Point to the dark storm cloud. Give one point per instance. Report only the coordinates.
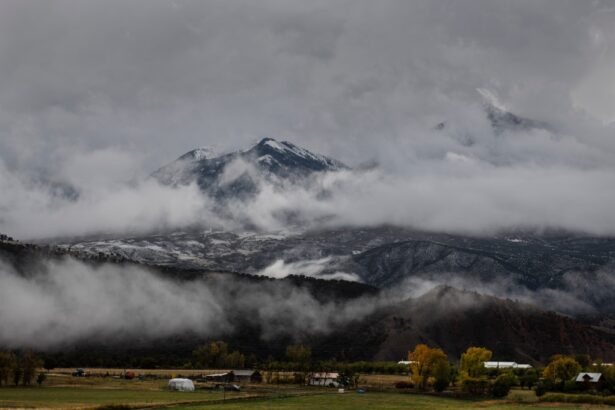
(99, 94)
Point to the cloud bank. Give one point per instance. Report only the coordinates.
(70, 301)
(458, 193)
(311, 268)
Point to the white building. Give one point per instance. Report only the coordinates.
(406, 362)
(506, 365)
(324, 379)
(181, 384)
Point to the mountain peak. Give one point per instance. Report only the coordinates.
(199, 154)
(285, 155)
(273, 161)
(503, 120)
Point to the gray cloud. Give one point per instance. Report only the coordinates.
(71, 301)
(314, 268)
(159, 77)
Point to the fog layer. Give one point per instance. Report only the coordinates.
(71, 301)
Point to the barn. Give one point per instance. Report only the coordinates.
(238, 376)
(247, 376)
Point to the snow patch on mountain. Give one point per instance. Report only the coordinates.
(491, 99)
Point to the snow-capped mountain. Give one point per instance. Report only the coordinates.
(237, 173)
(285, 158)
(502, 119)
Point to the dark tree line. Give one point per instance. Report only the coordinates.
(6, 238)
(18, 368)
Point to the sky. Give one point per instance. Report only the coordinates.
(98, 94)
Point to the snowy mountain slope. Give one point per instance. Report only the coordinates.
(382, 257)
(502, 119)
(238, 174)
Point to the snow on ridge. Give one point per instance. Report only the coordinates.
(202, 153)
(288, 147)
(268, 159)
(491, 99)
(275, 145)
(304, 153)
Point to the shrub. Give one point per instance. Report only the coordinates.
(501, 386)
(577, 398)
(441, 384)
(404, 385)
(474, 386)
(299, 378)
(543, 387)
(570, 386)
(528, 378)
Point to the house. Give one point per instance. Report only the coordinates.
(506, 365)
(247, 376)
(324, 379)
(238, 376)
(590, 380)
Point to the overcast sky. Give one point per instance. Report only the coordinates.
(158, 78)
(92, 91)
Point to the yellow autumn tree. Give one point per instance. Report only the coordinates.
(561, 369)
(429, 363)
(472, 363)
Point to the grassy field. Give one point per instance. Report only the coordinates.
(66, 392)
(77, 398)
(380, 401)
(63, 391)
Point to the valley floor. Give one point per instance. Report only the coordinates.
(380, 401)
(61, 391)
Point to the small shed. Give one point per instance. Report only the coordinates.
(178, 384)
(247, 376)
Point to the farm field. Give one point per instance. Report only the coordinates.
(62, 391)
(380, 401)
(92, 398)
